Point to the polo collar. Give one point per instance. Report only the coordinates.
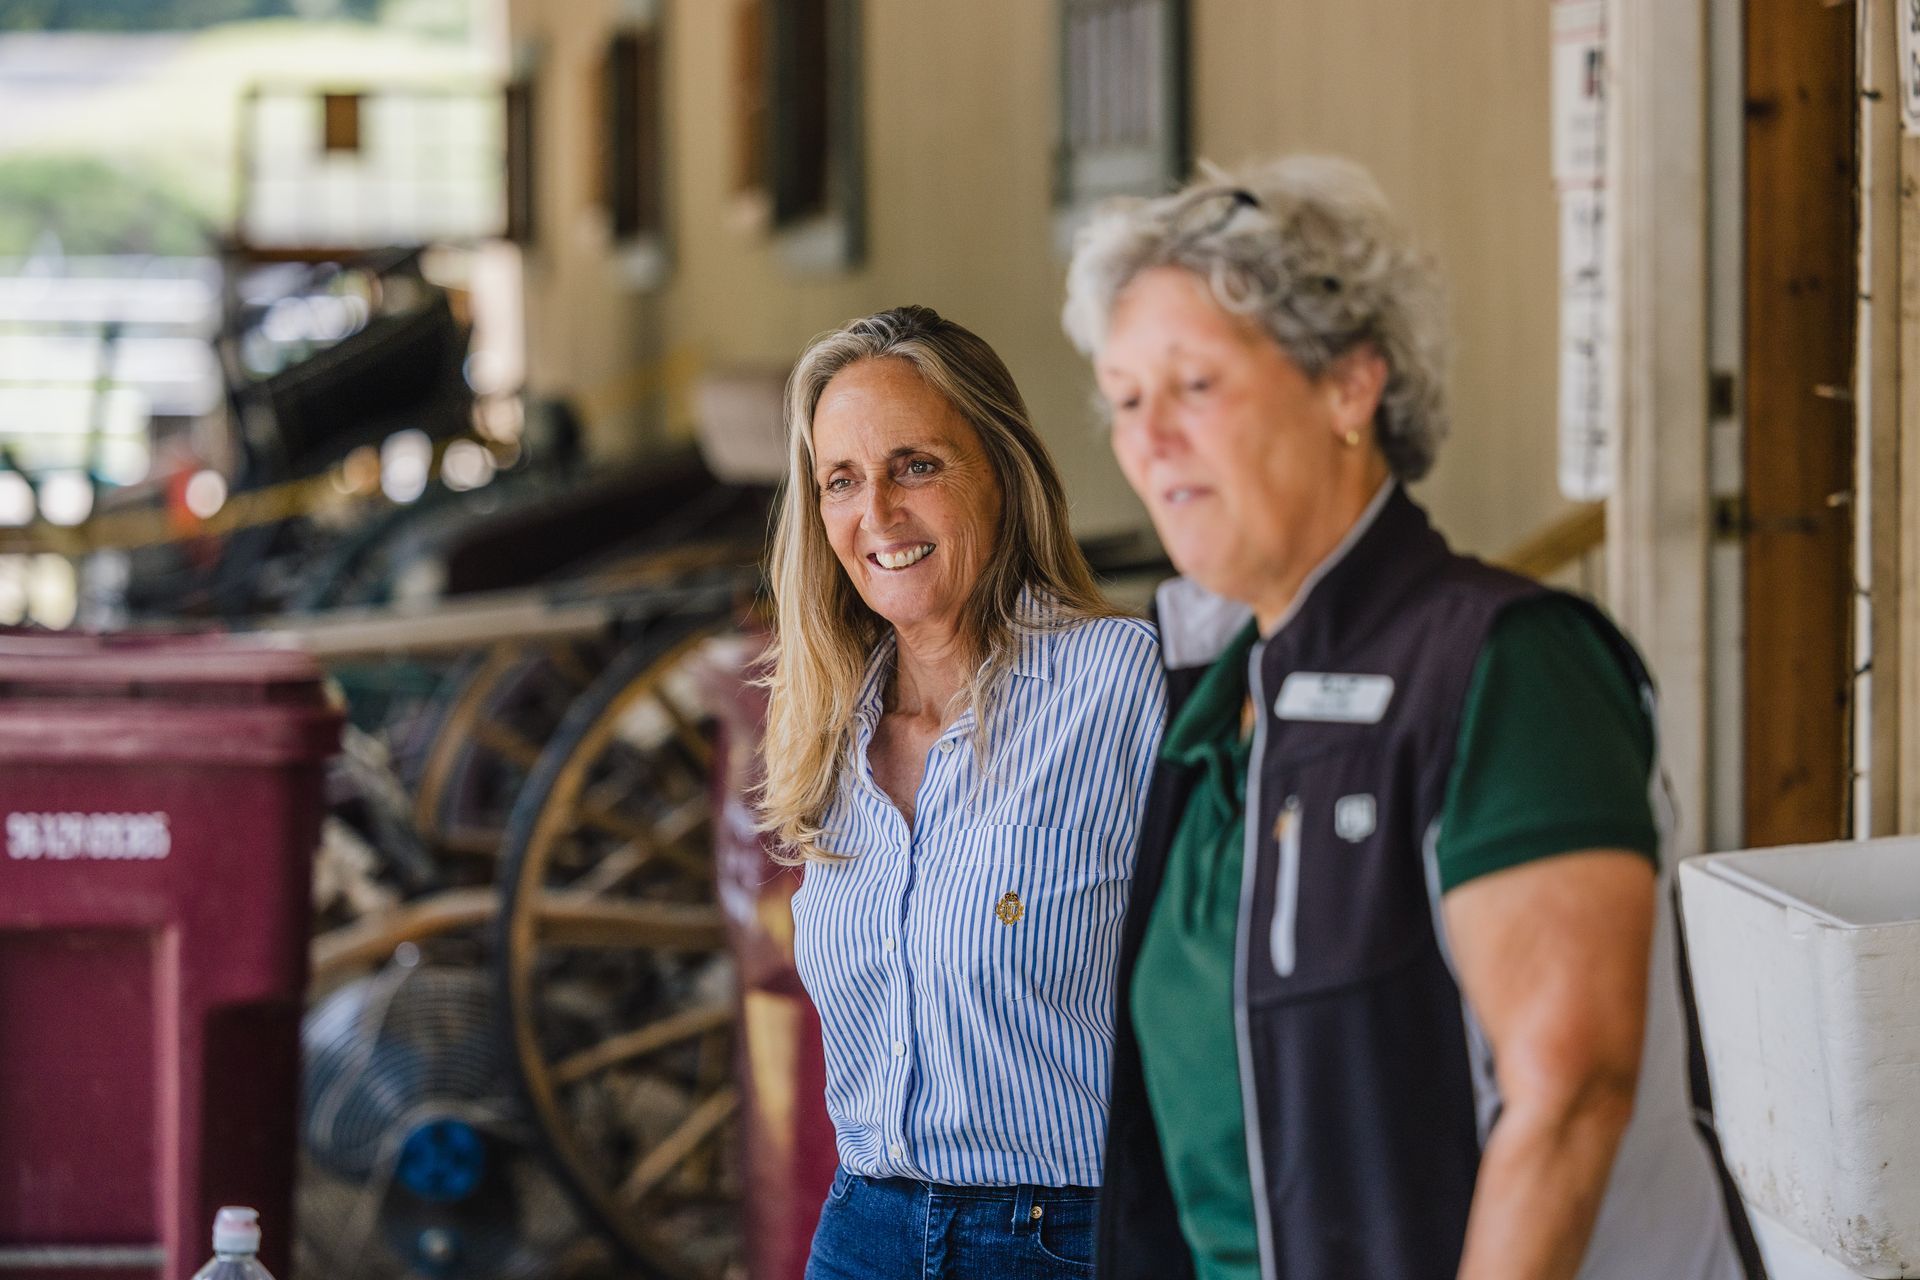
(1335, 557)
(1211, 713)
(1196, 625)
(1359, 587)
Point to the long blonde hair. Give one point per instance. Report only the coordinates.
(825, 635)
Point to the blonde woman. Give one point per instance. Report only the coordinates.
(959, 739)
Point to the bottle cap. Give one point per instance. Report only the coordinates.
(236, 1230)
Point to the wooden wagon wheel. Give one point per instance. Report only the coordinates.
(496, 716)
(607, 910)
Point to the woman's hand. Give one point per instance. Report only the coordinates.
(1552, 956)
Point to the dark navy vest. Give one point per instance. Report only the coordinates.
(1365, 1106)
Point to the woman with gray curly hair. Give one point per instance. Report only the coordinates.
(1399, 889)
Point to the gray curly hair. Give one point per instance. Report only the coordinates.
(1307, 247)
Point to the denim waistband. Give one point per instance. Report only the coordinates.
(1023, 1192)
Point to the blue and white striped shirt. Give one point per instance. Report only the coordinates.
(963, 969)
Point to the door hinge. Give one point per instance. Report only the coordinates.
(1730, 521)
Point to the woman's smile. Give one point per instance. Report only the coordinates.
(900, 559)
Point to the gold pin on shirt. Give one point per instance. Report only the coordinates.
(1009, 910)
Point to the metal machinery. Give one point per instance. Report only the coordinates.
(520, 1052)
(518, 952)
(520, 1058)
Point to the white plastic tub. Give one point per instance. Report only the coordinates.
(1806, 964)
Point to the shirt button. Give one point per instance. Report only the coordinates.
(895, 1151)
(887, 943)
(946, 744)
(899, 1049)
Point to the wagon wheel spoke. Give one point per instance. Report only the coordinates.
(340, 952)
(666, 842)
(468, 703)
(659, 840)
(567, 660)
(685, 730)
(638, 773)
(679, 1146)
(473, 842)
(504, 708)
(571, 920)
(504, 740)
(641, 1041)
(612, 791)
(716, 1064)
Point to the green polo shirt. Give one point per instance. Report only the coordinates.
(1523, 788)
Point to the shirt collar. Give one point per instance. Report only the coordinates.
(1033, 628)
(1033, 637)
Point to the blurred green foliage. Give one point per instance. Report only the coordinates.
(168, 15)
(94, 206)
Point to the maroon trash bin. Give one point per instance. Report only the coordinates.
(160, 799)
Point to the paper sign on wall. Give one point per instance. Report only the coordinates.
(1587, 366)
(1587, 426)
(1579, 98)
(1910, 65)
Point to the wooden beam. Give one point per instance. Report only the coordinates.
(1659, 519)
(1903, 663)
(1800, 299)
(443, 626)
(1878, 694)
(1559, 543)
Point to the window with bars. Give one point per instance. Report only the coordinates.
(520, 160)
(633, 188)
(803, 142)
(798, 140)
(1123, 108)
(750, 97)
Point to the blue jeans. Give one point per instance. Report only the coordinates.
(902, 1229)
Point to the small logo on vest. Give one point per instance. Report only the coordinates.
(1353, 818)
(1009, 910)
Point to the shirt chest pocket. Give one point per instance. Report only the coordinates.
(1026, 913)
(1340, 897)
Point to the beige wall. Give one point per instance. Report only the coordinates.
(1447, 103)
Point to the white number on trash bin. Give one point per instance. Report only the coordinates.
(93, 837)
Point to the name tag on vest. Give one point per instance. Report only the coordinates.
(1340, 699)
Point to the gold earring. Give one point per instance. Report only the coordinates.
(1353, 437)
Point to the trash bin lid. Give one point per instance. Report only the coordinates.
(161, 695)
(146, 664)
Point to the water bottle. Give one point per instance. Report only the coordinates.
(236, 1244)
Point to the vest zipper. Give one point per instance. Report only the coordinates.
(1281, 939)
(1242, 1027)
